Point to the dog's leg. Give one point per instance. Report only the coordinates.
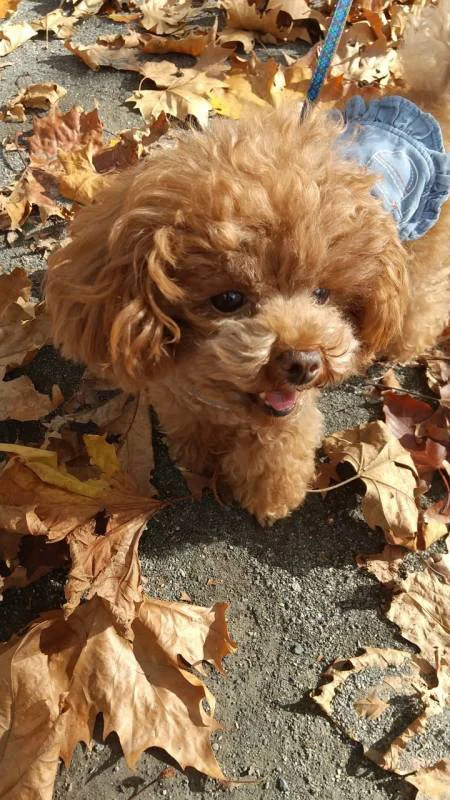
(269, 469)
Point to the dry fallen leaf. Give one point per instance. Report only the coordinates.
(193, 43)
(79, 180)
(396, 678)
(421, 609)
(99, 55)
(388, 473)
(24, 327)
(384, 565)
(56, 22)
(136, 448)
(13, 35)
(58, 131)
(405, 416)
(69, 671)
(21, 401)
(183, 98)
(371, 706)
(440, 563)
(279, 21)
(162, 16)
(7, 8)
(44, 497)
(38, 95)
(432, 781)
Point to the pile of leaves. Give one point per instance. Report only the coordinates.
(66, 158)
(82, 498)
(82, 502)
(367, 695)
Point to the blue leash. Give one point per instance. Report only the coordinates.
(327, 52)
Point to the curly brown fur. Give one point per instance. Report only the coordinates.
(262, 207)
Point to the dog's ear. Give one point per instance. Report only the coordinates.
(383, 304)
(111, 289)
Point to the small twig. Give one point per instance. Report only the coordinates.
(379, 386)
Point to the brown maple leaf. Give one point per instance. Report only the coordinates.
(58, 131)
(70, 670)
(24, 326)
(388, 473)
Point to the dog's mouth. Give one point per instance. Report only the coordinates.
(276, 403)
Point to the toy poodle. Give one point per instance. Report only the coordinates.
(234, 274)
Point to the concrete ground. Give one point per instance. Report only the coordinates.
(297, 599)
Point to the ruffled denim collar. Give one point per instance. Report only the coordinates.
(403, 145)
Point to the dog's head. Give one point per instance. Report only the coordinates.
(249, 260)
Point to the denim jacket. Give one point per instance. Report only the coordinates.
(393, 138)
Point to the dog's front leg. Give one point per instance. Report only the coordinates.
(270, 469)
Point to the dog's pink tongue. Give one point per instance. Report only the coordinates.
(280, 401)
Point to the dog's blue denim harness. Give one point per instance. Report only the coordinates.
(393, 138)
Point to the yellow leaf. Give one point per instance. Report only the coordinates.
(44, 464)
(102, 454)
(8, 7)
(13, 35)
(79, 180)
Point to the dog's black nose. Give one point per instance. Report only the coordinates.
(300, 367)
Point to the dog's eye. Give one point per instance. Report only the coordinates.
(321, 295)
(228, 301)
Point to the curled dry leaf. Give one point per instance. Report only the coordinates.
(193, 43)
(38, 95)
(27, 193)
(276, 23)
(99, 55)
(143, 693)
(7, 8)
(388, 473)
(421, 609)
(13, 35)
(162, 16)
(396, 678)
(21, 401)
(24, 327)
(56, 22)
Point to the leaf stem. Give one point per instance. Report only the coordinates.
(336, 485)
